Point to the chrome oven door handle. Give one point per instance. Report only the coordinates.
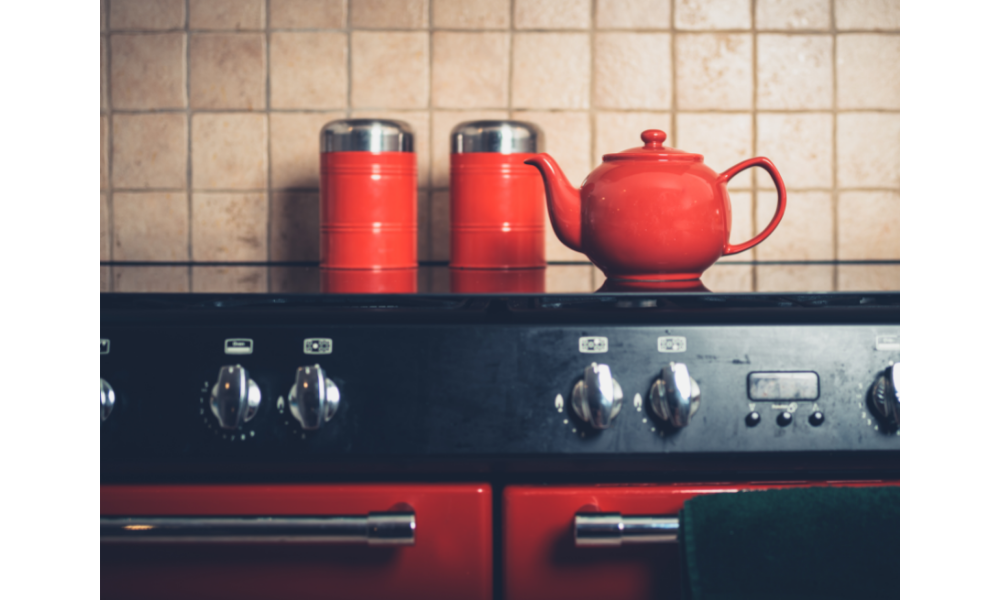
(612, 529)
(374, 529)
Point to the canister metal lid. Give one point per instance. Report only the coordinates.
(505, 137)
(366, 135)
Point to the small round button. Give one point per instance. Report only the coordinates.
(816, 419)
(752, 419)
(785, 419)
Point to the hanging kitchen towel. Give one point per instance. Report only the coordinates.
(802, 543)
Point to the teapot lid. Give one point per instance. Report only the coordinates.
(654, 150)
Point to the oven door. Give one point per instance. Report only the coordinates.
(296, 541)
(543, 541)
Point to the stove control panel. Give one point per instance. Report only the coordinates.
(344, 396)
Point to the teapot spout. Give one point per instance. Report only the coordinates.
(562, 198)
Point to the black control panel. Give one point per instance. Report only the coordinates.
(222, 388)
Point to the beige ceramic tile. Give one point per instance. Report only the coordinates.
(294, 280)
(805, 231)
(435, 280)
(618, 131)
(868, 278)
(295, 148)
(723, 139)
(104, 17)
(472, 14)
(151, 279)
(471, 70)
(308, 14)
(800, 146)
(104, 73)
(728, 278)
(390, 69)
(599, 278)
(868, 70)
(567, 139)
(151, 226)
(556, 251)
(569, 279)
(868, 150)
(702, 15)
(632, 70)
(742, 208)
(551, 70)
(229, 279)
(228, 227)
(551, 14)
(227, 71)
(794, 71)
(714, 71)
(389, 14)
(147, 71)
(868, 226)
(793, 14)
(795, 278)
(145, 14)
(239, 15)
(106, 279)
(633, 14)
(105, 229)
(443, 123)
(294, 226)
(149, 151)
(880, 15)
(105, 139)
(229, 151)
(308, 69)
(440, 242)
(420, 123)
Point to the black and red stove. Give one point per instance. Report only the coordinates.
(468, 446)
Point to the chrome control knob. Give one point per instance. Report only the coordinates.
(107, 400)
(598, 397)
(885, 397)
(675, 395)
(313, 399)
(235, 397)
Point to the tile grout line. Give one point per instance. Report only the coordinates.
(835, 193)
(190, 141)
(269, 226)
(753, 137)
(592, 110)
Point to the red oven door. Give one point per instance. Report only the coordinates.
(540, 559)
(451, 556)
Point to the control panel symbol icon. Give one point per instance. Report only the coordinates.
(317, 346)
(239, 346)
(593, 345)
(105, 346)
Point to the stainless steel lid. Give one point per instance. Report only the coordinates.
(366, 135)
(505, 137)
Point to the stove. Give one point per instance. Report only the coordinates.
(468, 446)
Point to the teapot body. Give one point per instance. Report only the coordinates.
(654, 220)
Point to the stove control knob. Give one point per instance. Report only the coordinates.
(107, 400)
(675, 395)
(597, 398)
(884, 398)
(313, 399)
(235, 397)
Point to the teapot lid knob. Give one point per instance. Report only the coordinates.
(654, 139)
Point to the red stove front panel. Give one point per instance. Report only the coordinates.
(540, 559)
(451, 556)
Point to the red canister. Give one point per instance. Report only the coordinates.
(368, 196)
(497, 202)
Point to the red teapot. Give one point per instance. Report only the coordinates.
(652, 213)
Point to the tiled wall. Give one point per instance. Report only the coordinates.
(210, 112)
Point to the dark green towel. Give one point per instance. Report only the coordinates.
(795, 543)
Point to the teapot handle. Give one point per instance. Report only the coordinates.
(768, 166)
